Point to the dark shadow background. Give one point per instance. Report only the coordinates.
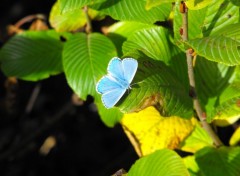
(84, 145)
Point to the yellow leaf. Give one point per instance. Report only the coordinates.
(235, 139)
(72, 20)
(198, 4)
(69, 21)
(224, 120)
(148, 131)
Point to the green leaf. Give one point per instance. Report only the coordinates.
(110, 117)
(211, 79)
(133, 11)
(119, 32)
(85, 59)
(219, 14)
(217, 162)
(229, 103)
(235, 2)
(192, 166)
(206, 21)
(160, 163)
(126, 28)
(195, 23)
(220, 48)
(198, 4)
(153, 3)
(218, 90)
(198, 139)
(71, 20)
(156, 84)
(70, 5)
(230, 31)
(32, 55)
(156, 42)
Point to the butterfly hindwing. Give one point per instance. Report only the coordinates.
(129, 68)
(106, 84)
(110, 98)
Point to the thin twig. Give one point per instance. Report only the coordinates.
(33, 98)
(89, 23)
(200, 113)
(28, 19)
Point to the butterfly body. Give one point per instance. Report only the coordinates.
(113, 85)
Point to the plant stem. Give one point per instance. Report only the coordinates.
(200, 113)
(89, 24)
(28, 19)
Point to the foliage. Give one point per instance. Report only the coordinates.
(157, 111)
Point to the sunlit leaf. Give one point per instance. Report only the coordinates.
(32, 55)
(153, 3)
(218, 48)
(220, 14)
(217, 87)
(221, 161)
(160, 163)
(228, 106)
(205, 21)
(118, 32)
(192, 166)
(198, 4)
(151, 131)
(70, 5)
(235, 139)
(156, 42)
(226, 121)
(198, 139)
(71, 20)
(212, 78)
(85, 59)
(133, 11)
(155, 84)
(195, 23)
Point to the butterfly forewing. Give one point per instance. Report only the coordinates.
(129, 68)
(115, 68)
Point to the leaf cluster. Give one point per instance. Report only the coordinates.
(161, 79)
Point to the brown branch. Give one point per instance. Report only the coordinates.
(200, 113)
(29, 18)
(89, 24)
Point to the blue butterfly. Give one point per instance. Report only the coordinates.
(113, 85)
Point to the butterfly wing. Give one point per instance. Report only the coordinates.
(130, 66)
(115, 68)
(106, 84)
(111, 91)
(114, 85)
(110, 98)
